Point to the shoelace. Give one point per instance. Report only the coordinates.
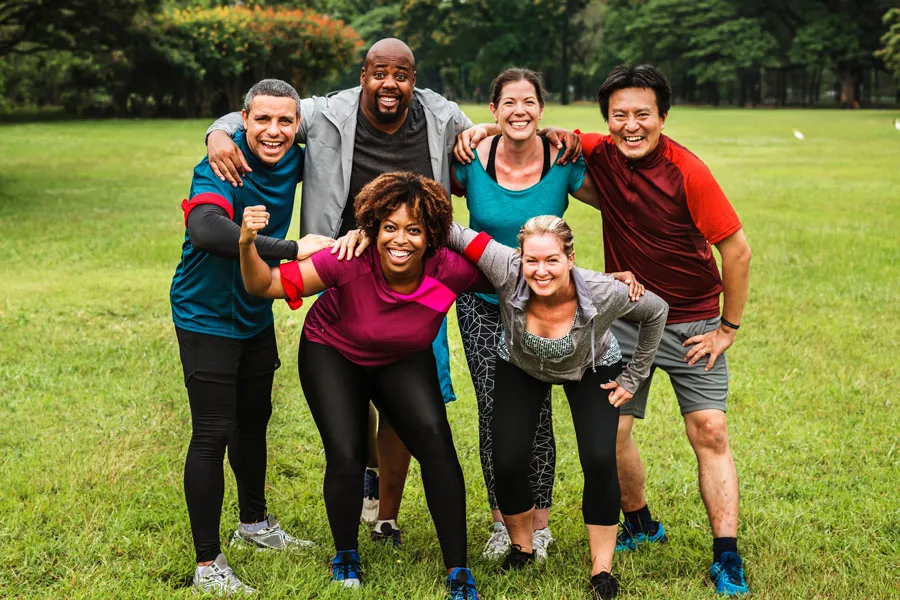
(732, 572)
(346, 566)
(462, 590)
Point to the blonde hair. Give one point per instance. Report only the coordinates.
(552, 225)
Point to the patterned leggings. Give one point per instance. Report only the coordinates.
(479, 326)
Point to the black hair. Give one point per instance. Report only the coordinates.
(636, 76)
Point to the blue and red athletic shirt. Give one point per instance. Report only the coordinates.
(660, 215)
(207, 292)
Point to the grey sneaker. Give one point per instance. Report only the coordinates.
(498, 544)
(540, 541)
(270, 537)
(219, 579)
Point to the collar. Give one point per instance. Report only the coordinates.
(653, 158)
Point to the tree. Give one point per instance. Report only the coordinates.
(890, 53)
(31, 26)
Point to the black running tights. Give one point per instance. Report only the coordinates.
(409, 395)
(223, 415)
(518, 398)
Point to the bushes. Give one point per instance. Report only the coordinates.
(196, 61)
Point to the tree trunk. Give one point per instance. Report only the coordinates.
(564, 62)
(848, 90)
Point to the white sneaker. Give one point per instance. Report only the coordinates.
(270, 537)
(540, 541)
(219, 579)
(498, 544)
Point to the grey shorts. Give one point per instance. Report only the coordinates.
(695, 388)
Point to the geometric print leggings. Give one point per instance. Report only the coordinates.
(480, 327)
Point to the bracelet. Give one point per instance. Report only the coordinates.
(729, 324)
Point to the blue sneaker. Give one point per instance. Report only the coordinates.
(727, 574)
(462, 584)
(629, 539)
(345, 568)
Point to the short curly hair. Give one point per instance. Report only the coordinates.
(426, 200)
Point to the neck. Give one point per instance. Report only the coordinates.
(388, 128)
(406, 282)
(565, 294)
(519, 152)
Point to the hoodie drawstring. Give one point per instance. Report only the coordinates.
(593, 348)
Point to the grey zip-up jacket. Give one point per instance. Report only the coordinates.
(601, 300)
(328, 128)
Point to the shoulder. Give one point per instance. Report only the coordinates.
(204, 181)
(686, 161)
(340, 103)
(592, 141)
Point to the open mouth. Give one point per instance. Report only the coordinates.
(519, 124)
(388, 102)
(399, 256)
(633, 139)
(270, 145)
(542, 283)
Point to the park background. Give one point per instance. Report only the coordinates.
(94, 421)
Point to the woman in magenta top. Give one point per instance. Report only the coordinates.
(373, 326)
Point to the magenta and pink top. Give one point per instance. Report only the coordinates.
(370, 324)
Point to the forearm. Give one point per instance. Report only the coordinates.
(735, 288)
(257, 275)
(230, 124)
(212, 231)
(735, 253)
(650, 311)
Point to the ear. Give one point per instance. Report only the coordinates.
(245, 117)
(662, 121)
(362, 75)
(493, 111)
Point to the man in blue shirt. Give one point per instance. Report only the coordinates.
(227, 338)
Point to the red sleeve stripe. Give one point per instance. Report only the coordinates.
(476, 247)
(206, 198)
(292, 282)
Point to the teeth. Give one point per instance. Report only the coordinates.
(400, 253)
(633, 139)
(271, 144)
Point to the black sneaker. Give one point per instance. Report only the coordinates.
(388, 534)
(516, 559)
(604, 586)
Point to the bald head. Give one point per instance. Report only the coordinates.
(390, 48)
(388, 79)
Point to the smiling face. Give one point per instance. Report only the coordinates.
(401, 244)
(518, 111)
(545, 266)
(271, 125)
(388, 79)
(634, 121)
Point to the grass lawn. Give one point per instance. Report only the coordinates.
(94, 419)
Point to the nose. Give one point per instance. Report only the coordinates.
(272, 128)
(389, 81)
(631, 123)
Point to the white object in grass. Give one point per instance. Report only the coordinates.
(799, 135)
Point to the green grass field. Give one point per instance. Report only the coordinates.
(94, 420)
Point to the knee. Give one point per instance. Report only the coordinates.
(599, 463)
(433, 442)
(623, 432)
(210, 441)
(709, 433)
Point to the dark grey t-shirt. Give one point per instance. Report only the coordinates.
(376, 152)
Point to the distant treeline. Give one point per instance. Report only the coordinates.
(196, 57)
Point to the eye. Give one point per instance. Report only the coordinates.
(387, 227)
(400, 77)
(415, 230)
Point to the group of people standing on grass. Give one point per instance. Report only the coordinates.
(380, 249)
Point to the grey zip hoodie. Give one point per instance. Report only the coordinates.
(601, 300)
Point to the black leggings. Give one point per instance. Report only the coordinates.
(409, 395)
(518, 398)
(229, 385)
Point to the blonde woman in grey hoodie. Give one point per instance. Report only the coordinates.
(556, 319)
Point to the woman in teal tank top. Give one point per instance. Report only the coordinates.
(512, 179)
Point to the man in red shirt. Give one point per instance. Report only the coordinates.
(662, 213)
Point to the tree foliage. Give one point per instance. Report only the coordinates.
(890, 52)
